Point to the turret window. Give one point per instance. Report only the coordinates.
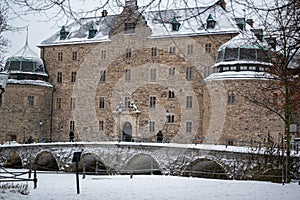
(175, 24)
(92, 31)
(231, 97)
(63, 33)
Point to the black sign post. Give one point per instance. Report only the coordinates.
(76, 158)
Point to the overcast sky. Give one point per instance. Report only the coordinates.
(40, 27)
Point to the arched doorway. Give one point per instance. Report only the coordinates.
(127, 132)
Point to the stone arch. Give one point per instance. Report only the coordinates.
(45, 161)
(142, 163)
(93, 165)
(206, 168)
(13, 160)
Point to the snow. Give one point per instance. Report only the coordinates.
(146, 187)
(242, 75)
(29, 82)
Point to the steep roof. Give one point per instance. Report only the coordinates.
(192, 22)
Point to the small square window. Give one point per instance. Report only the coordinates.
(171, 119)
(172, 50)
(171, 94)
(153, 51)
(208, 48)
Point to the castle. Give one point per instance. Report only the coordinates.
(130, 76)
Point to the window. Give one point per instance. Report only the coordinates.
(101, 102)
(129, 28)
(171, 71)
(152, 127)
(225, 68)
(233, 68)
(190, 49)
(231, 97)
(243, 67)
(72, 103)
(252, 68)
(189, 73)
(102, 75)
(170, 119)
(59, 77)
(172, 50)
(171, 94)
(103, 54)
(210, 22)
(208, 48)
(128, 53)
(127, 75)
(73, 77)
(153, 51)
(101, 126)
(189, 102)
(152, 74)
(74, 55)
(72, 125)
(60, 56)
(30, 101)
(58, 103)
(189, 127)
(152, 101)
(127, 102)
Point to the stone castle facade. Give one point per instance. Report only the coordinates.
(127, 77)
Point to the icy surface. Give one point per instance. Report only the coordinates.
(63, 186)
(239, 75)
(29, 82)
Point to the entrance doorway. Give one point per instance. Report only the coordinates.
(127, 132)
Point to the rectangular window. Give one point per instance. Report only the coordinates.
(231, 97)
(127, 102)
(233, 68)
(74, 55)
(153, 74)
(153, 51)
(60, 56)
(170, 119)
(59, 77)
(72, 103)
(129, 28)
(101, 102)
(72, 125)
(128, 53)
(189, 127)
(189, 73)
(127, 75)
(102, 75)
(189, 102)
(73, 77)
(172, 50)
(252, 68)
(30, 101)
(171, 71)
(243, 68)
(103, 54)
(171, 94)
(208, 48)
(152, 101)
(101, 126)
(152, 127)
(190, 49)
(58, 103)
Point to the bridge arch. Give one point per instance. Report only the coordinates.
(142, 163)
(45, 161)
(13, 160)
(205, 167)
(93, 164)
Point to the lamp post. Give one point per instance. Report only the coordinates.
(167, 115)
(119, 110)
(41, 136)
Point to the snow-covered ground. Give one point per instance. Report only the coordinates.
(63, 186)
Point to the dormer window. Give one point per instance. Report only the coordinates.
(210, 22)
(175, 24)
(92, 31)
(129, 28)
(63, 33)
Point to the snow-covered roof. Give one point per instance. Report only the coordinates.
(30, 82)
(192, 22)
(241, 75)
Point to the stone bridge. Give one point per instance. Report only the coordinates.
(215, 161)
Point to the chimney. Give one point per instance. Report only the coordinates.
(222, 3)
(250, 22)
(104, 13)
(240, 22)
